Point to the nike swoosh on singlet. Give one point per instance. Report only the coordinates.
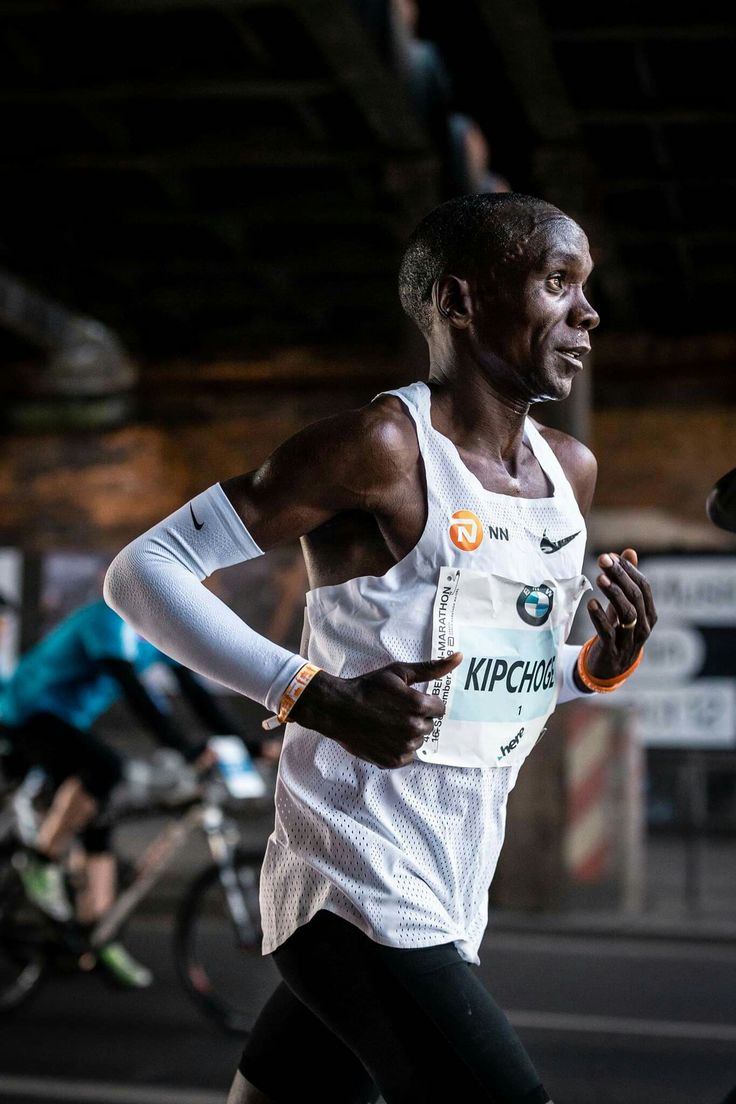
(549, 546)
(197, 524)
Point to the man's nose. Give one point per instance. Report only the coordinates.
(585, 317)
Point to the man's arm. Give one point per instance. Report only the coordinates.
(581, 468)
(358, 461)
(313, 476)
(625, 624)
(578, 463)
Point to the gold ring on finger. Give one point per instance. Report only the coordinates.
(630, 624)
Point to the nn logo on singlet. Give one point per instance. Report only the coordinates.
(466, 531)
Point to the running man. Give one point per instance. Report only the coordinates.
(443, 531)
(49, 706)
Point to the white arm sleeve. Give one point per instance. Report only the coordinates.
(155, 585)
(570, 690)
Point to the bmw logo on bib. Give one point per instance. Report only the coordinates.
(534, 604)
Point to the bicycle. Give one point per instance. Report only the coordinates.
(216, 923)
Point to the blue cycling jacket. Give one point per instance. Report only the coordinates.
(62, 674)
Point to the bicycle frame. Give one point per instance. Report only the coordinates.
(33, 949)
(221, 836)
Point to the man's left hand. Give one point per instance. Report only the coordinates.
(624, 626)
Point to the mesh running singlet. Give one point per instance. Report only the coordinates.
(407, 855)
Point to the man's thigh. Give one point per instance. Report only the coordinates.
(291, 1055)
(420, 1021)
(474, 1039)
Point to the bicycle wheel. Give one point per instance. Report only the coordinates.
(217, 945)
(23, 958)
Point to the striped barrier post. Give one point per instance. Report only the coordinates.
(589, 750)
(605, 831)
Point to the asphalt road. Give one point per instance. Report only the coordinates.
(607, 1021)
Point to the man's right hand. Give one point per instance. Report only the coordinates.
(378, 717)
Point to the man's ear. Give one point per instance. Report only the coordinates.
(453, 301)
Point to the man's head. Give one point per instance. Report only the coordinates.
(484, 238)
(504, 275)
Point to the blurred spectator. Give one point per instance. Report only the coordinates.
(421, 68)
(462, 145)
(407, 14)
(471, 159)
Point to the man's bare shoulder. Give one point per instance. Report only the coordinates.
(387, 428)
(355, 453)
(373, 447)
(576, 460)
(362, 459)
(381, 430)
(570, 452)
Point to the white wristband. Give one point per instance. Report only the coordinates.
(570, 689)
(155, 585)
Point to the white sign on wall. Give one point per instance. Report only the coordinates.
(684, 693)
(699, 714)
(699, 589)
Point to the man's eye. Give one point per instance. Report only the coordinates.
(557, 279)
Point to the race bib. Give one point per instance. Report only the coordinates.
(498, 700)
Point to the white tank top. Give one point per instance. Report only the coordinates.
(407, 855)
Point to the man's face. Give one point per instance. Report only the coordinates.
(534, 331)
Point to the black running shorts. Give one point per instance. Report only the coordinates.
(353, 1017)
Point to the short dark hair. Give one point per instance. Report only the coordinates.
(465, 236)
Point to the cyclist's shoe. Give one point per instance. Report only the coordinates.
(120, 966)
(43, 883)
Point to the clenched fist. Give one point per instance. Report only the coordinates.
(378, 716)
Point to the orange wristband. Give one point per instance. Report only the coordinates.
(291, 695)
(602, 686)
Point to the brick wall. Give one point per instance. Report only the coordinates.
(662, 456)
(97, 489)
(94, 489)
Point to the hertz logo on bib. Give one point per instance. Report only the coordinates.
(466, 530)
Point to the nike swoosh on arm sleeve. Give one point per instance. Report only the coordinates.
(155, 583)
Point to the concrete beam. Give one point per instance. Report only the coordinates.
(258, 88)
(84, 358)
(376, 91)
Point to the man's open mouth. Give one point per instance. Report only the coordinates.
(574, 355)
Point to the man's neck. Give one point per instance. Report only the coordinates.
(475, 416)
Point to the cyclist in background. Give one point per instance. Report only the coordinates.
(48, 707)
